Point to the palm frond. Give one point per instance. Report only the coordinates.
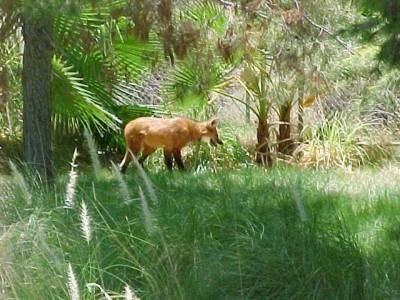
(75, 106)
(207, 13)
(103, 56)
(194, 79)
(133, 57)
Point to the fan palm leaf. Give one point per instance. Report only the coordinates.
(207, 13)
(203, 72)
(194, 80)
(102, 56)
(75, 106)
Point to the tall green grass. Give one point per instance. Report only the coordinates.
(283, 233)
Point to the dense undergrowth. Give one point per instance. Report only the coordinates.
(281, 233)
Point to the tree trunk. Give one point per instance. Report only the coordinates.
(300, 116)
(4, 88)
(247, 107)
(300, 111)
(36, 82)
(284, 140)
(263, 150)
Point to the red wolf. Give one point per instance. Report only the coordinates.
(146, 134)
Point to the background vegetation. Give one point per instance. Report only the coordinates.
(300, 202)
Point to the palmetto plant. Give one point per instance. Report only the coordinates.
(192, 82)
(103, 54)
(94, 50)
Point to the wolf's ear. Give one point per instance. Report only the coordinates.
(213, 122)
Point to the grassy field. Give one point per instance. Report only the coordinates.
(281, 233)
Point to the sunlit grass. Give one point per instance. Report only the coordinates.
(343, 141)
(240, 234)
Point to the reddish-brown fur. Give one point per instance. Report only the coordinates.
(145, 135)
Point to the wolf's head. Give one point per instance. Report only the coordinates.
(209, 132)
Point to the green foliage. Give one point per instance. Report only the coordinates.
(191, 84)
(231, 155)
(103, 54)
(196, 76)
(380, 101)
(282, 53)
(380, 26)
(213, 235)
(75, 106)
(207, 14)
(94, 51)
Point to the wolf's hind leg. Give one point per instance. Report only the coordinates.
(178, 159)
(146, 153)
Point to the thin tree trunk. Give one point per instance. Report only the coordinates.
(36, 81)
(4, 88)
(300, 116)
(300, 111)
(166, 28)
(263, 150)
(284, 138)
(247, 108)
